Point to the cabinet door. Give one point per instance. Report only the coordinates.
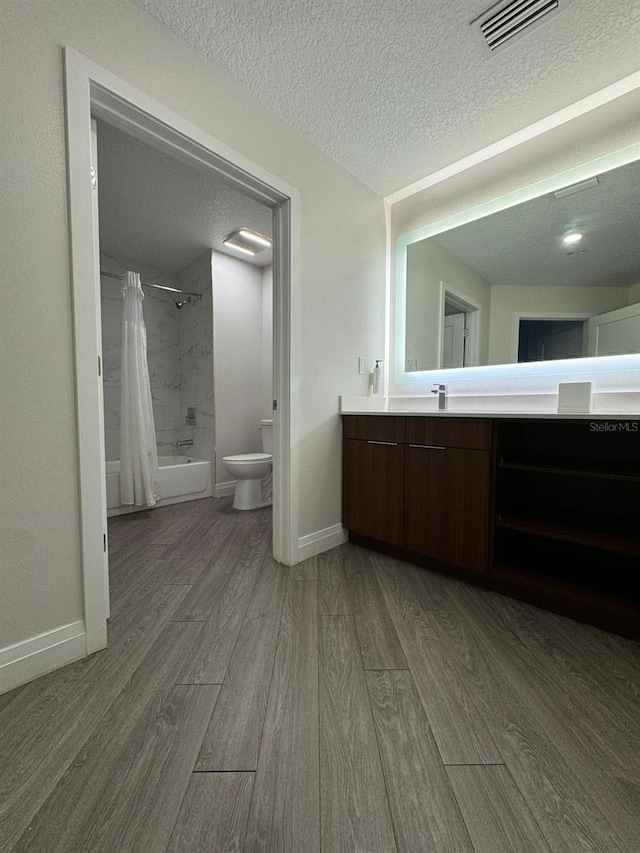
(373, 489)
(447, 504)
(426, 509)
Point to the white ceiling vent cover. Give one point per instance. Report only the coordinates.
(502, 22)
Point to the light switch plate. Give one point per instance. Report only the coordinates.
(362, 365)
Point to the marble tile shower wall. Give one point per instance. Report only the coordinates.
(195, 356)
(170, 364)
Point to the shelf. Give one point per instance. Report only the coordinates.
(588, 468)
(584, 529)
(610, 610)
(569, 561)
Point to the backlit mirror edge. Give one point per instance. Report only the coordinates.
(500, 372)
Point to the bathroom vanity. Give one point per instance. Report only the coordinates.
(543, 508)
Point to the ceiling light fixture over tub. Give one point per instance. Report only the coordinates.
(248, 242)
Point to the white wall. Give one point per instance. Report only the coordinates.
(341, 284)
(237, 358)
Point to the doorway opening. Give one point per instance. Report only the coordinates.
(92, 91)
(546, 340)
(213, 329)
(460, 328)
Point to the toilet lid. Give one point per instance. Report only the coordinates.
(248, 457)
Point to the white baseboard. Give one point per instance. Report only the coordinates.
(41, 654)
(226, 488)
(321, 540)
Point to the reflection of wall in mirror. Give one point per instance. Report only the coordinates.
(428, 264)
(615, 332)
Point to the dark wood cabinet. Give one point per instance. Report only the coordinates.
(447, 504)
(375, 428)
(373, 488)
(469, 433)
(426, 516)
(546, 510)
(403, 487)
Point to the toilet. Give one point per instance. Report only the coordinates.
(253, 472)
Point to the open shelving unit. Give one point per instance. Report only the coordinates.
(567, 512)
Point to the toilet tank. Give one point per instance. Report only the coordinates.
(266, 427)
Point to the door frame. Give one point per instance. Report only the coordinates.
(559, 316)
(594, 324)
(93, 91)
(449, 293)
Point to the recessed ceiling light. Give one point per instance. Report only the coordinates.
(248, 242)
(572, 237)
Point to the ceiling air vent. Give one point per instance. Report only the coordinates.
(502, 22)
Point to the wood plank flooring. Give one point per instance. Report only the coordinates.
(350, 704)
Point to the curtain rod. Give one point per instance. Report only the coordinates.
(158, 286)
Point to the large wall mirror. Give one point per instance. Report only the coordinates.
(549, 273)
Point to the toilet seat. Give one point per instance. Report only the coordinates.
(249, 457)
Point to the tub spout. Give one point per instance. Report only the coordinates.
(187, 442)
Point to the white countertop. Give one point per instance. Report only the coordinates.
(386, 407)
(588, 416)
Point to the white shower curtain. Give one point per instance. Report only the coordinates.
(138, 451)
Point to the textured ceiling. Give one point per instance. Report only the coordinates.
(395, 89)
(159, 210)
(523, 244)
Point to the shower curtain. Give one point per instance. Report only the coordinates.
(138, 451)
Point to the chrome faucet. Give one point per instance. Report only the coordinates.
(441, 391)
(188, 442)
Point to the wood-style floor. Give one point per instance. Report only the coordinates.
(352, 703)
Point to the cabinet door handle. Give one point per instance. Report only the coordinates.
(428, 446)
(387, 443)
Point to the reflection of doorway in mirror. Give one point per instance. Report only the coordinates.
(453, 339)
(547, 340)
(460, 329)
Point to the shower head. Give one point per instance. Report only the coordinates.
(180, 305)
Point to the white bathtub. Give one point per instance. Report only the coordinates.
(180, 478)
